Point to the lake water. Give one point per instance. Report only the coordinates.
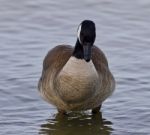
(29, 28)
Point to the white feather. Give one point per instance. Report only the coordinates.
(79, 31)
(79, 68)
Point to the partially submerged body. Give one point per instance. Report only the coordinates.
(72, 84)
(78, 78)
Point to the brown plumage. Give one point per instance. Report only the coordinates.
(77, 78)
(52, 66)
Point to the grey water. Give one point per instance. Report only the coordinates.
(29, 28)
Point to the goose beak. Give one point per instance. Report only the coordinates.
(87, 47)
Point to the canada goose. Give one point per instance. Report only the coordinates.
(78, 78)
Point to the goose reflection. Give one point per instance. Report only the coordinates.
(77, 124)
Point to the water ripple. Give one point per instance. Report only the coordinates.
(28, 29)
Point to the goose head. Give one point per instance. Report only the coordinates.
(86, 35)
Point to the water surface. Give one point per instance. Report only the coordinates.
(29, 28)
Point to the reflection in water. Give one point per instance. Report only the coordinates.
(77, 124)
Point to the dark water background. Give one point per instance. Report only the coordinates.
(29, 28)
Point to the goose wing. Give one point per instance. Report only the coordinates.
(99, 59)
(101, 65)
(57, 57)
(54, 61)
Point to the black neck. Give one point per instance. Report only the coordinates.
(78, 51)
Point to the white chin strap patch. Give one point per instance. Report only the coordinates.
(79, 30)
